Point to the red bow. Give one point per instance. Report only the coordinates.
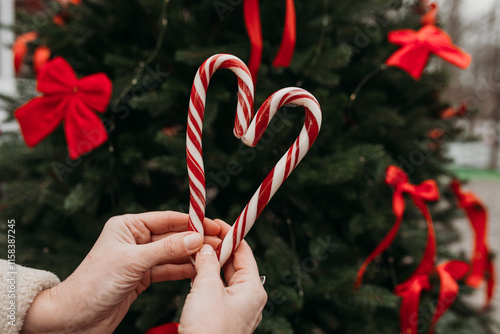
(451, 112)
(40, 56)
(416, 46)
(481, 263)
(67, 2)
(69, 99)
(426, 191)
(170, 328)
(251, 12)
(448, 272)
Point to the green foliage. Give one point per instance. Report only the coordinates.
(325, 219)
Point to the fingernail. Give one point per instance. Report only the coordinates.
(207, 250)
(192, 241)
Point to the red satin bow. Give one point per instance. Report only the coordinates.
(426, 191)
(481, 263)
(448, 272)
(251, 12)
(41, 54)
(69, 99)
(169, 328)
(416, 47)
(451, 112)
(40, 58)
(20, 48)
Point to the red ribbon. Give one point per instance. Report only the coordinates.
(426, 191)
(40, 58)
(481, 263)
(430, 16)
(448, 273)
(70, 100)
(451, 112)
(169, 328)
(20, 48)
(416, 47)
(251, 12)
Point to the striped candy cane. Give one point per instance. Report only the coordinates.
(250, 135)
(284, 167)
(196, 112)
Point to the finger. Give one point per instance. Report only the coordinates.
(159, 222)
(224, 228)
(243, 266)
(210, 227)
(172, 272)
(212, 241)
(172, 248)
(207, 268)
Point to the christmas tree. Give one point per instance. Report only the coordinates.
(313, 236)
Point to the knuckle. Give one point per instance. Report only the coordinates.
(262, 296)
(170, 247)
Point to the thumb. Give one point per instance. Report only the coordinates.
(207, 267)
(171, 248)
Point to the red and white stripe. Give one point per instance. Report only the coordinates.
(284, 167)
(196, 112)
(250, 134)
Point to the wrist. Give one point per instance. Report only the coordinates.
(43, 315)
(56, 311)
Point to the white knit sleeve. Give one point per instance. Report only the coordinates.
(18, 288)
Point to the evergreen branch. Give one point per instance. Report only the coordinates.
(139, 70)
(363, 81)
(319, 46)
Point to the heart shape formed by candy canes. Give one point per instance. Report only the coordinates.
(250, 134)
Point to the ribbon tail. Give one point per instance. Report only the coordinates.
(490, 283)
(410, 59)
(251, 13)
(289, 39)
(381, 247)
(448, 273)
(477, 218)
(454, 55)
(410, 304)
(428, 259)
(84, 130)
(39, 117)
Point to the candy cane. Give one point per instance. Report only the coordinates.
(284, 167)
(250, 135)
(196, 112)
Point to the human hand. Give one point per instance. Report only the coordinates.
(211, 307)
(131, 252)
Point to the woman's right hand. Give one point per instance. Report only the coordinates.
(211, 307)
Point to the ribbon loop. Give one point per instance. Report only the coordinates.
(251, 12)
(427, 190)
(481, 265)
